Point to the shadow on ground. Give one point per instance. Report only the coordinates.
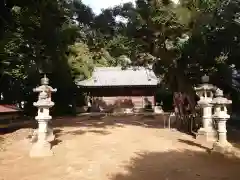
(59, 132)
(185, 165)
(102, 121)
(234, 137)
(192, 143)
(55, 142)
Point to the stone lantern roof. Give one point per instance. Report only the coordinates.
(205, 85)
(219, 99)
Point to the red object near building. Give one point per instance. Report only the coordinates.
(8, 109)
(7, 114)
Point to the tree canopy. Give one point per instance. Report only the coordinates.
(66, 40)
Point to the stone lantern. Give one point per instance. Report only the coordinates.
(221, 116)
(205, 93)
(41, 146)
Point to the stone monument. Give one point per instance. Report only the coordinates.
(43, 135)
(205, 93)
(158, 109)
(221, 116)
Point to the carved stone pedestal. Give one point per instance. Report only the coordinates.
(50, 135)
(41, 149)
(206, 135)
(207, 132)
(222, 148)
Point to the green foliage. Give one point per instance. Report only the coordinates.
(67, 40)
(80, 60)
(34, 39)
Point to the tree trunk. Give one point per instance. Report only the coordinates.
(185, 87)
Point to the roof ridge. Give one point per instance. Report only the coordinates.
(146, 71)
(112, 76)
(117, 68)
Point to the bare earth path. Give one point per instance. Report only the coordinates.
(112, 150)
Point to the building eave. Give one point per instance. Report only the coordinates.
(116, 76)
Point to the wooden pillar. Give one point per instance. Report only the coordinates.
(154, 99)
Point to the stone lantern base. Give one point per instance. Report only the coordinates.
(50, 135)
(206, 135)
(222, 147)
(41, 149)
(49, 130)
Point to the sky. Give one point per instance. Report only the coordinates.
(97, 5)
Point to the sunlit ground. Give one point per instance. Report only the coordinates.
(114, 149)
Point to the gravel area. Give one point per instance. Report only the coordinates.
(114, 148)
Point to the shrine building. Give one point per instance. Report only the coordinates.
(114, 84)
(9, 115)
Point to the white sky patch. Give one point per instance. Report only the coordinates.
(121, 19)
(97, 5)
(176, 1)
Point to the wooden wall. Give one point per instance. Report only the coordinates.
(120, 91)
(128, 97)
(125, 101)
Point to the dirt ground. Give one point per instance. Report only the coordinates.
(114, 149)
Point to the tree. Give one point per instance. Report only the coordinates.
(158, 32)
(67, 40)
(35, 40)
